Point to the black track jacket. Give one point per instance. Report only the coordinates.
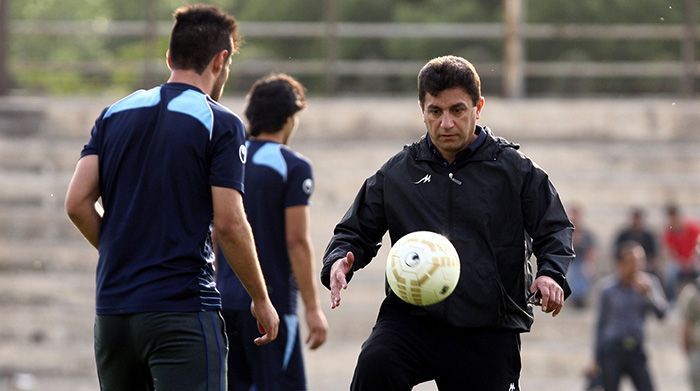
(492, 203)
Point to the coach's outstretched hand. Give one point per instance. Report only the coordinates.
(268, 320)
(552, 294)
(339, 270)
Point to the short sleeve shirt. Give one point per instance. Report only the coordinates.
(159, 152)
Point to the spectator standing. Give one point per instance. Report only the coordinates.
(689, 301)
(627, 297)
(637, 231)
(680, 237)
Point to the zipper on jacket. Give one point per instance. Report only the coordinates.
(450, 201)
(450, 224)
(455, 180)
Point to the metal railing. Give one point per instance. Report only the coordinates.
(513, 69)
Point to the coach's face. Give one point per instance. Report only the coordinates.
(451, 120)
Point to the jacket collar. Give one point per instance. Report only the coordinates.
(488, 150)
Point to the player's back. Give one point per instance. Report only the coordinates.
(157, 149)
(276, 178)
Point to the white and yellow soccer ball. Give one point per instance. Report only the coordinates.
(422, 268)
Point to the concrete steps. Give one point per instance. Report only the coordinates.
(47, 268)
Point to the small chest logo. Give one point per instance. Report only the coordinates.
(512, 387)
(425, 179)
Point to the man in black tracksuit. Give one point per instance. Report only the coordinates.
(496, 206)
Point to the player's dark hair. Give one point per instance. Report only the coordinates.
(271, 101)
(199, 33)
(446, 72)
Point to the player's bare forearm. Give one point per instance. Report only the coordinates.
(234, 236)
(88, 222)
(301, 259)
(301, 256)
(239, 250)
(83, 191)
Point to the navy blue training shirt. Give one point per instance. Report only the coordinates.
(159, 152)
(275, 178)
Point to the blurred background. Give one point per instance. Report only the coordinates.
(603, 94)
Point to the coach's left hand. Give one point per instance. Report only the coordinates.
(552, 294)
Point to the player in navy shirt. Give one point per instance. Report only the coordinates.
(168, 163)
(278, 184)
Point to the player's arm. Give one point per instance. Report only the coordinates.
(83, 192)
(655, 296)
(301, 257)
(234, 236)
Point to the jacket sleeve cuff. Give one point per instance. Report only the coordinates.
(558, 278)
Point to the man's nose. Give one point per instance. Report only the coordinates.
(446, 122)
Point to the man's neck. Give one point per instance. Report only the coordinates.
(274, 137)
(192, 78)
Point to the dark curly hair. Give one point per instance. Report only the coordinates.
(271, 101)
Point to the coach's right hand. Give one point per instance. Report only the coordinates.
(267, 318)
(339, 271)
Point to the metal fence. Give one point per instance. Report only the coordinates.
(513, 70)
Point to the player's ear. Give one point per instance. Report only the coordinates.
(220, 60)
(168, 60)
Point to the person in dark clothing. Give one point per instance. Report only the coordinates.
(637, 231)
(627, 297)
(168, 165)
(279, 183)
(495, 205)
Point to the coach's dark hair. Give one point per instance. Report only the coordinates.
(199, 33)
(445, 72)
(271, 101)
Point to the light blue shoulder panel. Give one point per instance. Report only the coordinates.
(137, 100)
(194, 104)
(270, 155)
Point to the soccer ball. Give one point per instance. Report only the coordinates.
(422, 268)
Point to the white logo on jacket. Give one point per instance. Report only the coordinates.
(425, 179)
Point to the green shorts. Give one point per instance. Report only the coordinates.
(161, 351)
